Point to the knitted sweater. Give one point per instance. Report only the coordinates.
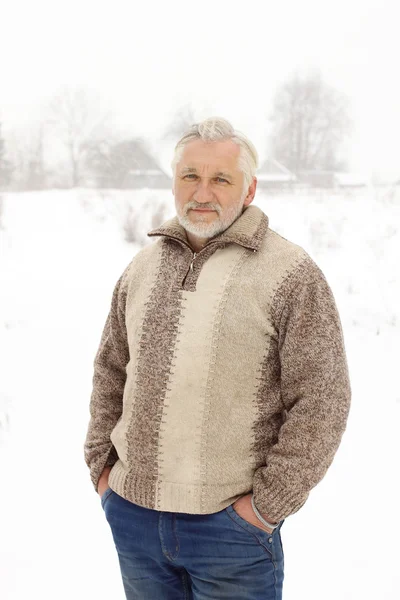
(218, 374)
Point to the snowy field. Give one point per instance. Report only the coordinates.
(61, 255)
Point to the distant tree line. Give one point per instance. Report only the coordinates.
(308, 125)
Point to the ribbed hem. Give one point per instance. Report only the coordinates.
(174, 497)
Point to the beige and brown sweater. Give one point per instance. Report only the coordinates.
(218, 374)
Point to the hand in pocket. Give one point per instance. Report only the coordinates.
(245, 510)
(103, 481)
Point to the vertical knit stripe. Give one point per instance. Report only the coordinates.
(188, 403)
(146, 267)
(314, 389)
(268, 394)
(144, 397)
(228, 428)
(234, 420)
(153, 372)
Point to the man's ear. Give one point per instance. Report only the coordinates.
(251, 193)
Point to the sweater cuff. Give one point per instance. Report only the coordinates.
(97, 466)
(277, 502)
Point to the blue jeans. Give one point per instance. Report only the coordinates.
(179, 556)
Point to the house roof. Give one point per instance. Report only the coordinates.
(272, 170)
(142, 161)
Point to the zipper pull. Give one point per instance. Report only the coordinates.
(191, 264)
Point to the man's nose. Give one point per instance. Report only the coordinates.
(203, 191)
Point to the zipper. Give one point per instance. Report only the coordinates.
(193, 258)
(189, 269)
(182, 243)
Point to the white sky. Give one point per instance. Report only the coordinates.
(148, 59)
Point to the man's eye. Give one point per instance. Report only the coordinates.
(222, 179)
(189, 175)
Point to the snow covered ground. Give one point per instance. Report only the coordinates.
(61, 254)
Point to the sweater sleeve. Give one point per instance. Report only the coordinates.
(315, 391)
(108, 386)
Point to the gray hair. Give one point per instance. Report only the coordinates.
(216, 129)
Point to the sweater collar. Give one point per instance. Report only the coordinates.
(248, 230)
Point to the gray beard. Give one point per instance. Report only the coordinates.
(208, 230)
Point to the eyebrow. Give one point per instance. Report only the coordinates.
(186, 170)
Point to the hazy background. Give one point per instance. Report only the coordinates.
(144, 70)
(145, 60)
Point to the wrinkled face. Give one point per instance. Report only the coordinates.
(208, 187)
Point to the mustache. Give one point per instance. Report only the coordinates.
(192, 205)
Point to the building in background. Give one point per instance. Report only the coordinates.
(145, 172)
(272, 174)
(331, 180)
(128, 164)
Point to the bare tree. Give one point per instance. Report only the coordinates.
(27, 153)
(310, 122)
(75, 115)
(36, 170)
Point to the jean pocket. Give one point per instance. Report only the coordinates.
(105, 496)
(236, 518)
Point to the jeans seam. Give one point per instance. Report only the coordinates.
(275, 582)
(276, 540)
(185, 584)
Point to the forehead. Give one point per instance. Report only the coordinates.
(220, 155)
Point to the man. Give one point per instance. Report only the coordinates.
(220, 389)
